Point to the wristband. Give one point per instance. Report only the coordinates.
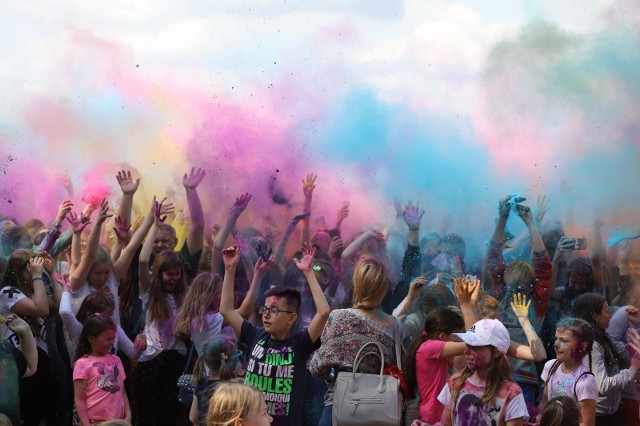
(414, 229)
(36, 279)
(56, 224)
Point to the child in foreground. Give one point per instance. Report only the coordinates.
(235, 404)
(98, 376)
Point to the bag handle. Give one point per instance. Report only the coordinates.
(359, 357)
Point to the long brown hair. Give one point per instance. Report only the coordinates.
(159, 310)
(14, 271)
(200, 296)
(498, 372)
(439, 320)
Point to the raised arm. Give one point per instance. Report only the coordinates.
(564, 245)
(195, 237)
(121, 230)
(147, 247)
(235, 211)
(27, 342)
(79, 275)
(230, 257)
(128, 187)
(278, 255)
(78, 224)
(322, 306)
(260, 269)
(158, 213)
(308, 185)
(466, 291)
(535, 351)
(39, 305)
(54, 230)
(598, 258)
(541, 263)
(343, 213)
(356, 245)
(412, 216)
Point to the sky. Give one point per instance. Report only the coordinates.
(451, 104)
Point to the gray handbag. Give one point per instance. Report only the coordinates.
(368, 399)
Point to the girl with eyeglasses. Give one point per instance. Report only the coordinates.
(223, 361)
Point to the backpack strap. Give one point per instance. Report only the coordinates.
(552, 371)
(575, 385)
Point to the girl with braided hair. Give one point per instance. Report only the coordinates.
(610, 375)
(222, 360)
(567, 375)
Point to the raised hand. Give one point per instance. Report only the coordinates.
(160, 210)
(415, 286)
(77, 223)
(63, 210)
(565, 244)
(525, 213)
(18, 325)
(633, 314)
(127, 184)
(306, 263)
(262, 266)
(504, 207)
(240, 204)
(308, 185)
(466, 290)
(36, 266)
(49, 264)
(121, 229)
(297, 218)
(542, 207)
(335, 248)
(520, 306)
(104, 212)
(193, 179)
(231, 256)
(412, 216)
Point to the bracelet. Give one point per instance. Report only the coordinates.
(36, 279)
(414, 229)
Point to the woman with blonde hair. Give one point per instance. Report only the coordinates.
(348, 329)
(234, 404)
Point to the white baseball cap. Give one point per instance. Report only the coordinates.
(486, 332)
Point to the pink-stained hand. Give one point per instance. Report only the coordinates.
(231, 256)
(242, 243)
(77, 223)
(193, 179)
(309, 184)
(633, 314)
(240, 204)
(121, 229)
(160, 210)
(140, 344)
(64, 209)
(103, 214)
(306, 263)
(412, 215)
(126, 182)
(343, 213)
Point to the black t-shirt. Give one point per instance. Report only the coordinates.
(277, 368)
(189, 262)
(204, 389)
(13, 365)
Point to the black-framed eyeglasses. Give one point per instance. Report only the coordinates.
(273, 311)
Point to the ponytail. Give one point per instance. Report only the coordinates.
(439, 320)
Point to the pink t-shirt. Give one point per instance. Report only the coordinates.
(431, 376)
(105, 383)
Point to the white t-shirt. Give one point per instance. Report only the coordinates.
(564, 383)
(9, 296)
(160, 335)
(112, 285)
(509, 404)
(212, 326)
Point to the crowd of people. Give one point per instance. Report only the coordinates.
(104, 314)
